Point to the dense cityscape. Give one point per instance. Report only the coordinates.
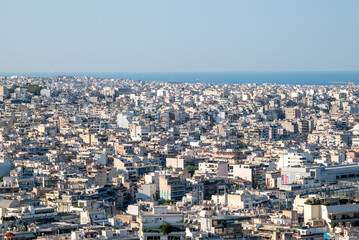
(91, 158)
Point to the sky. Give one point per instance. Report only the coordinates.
(178, 35)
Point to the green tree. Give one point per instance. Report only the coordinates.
(34, 89)
(166, 228)
(333, 224)
(168, 202)
(243, 145)
(191, 169)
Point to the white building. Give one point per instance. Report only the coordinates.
(242, 199)
(219, 169)
(45, 92)
(294, 159)
(162, 93)
(138, 131)
(242, 171)
(333, 215)
(151, 222)
(122, 121)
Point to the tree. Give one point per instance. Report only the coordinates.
(168, 202)
(34, 89)
(166, 228)
(243, 145)
(333, 224)
(191, 169)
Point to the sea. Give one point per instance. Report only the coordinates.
(292, 78)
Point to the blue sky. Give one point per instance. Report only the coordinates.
(173, 35)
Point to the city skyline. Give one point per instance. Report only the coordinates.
(179, 120)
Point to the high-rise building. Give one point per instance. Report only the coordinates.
(292, 113)
(4, 92)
